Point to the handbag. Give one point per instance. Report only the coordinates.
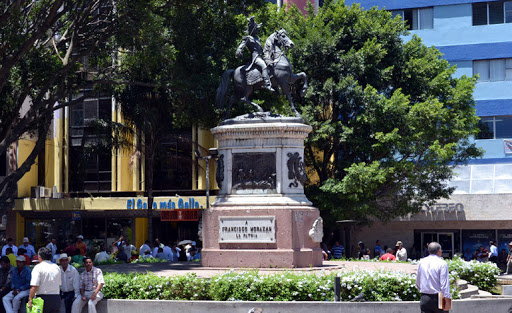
(37, 306)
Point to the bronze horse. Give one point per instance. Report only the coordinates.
(245, 83)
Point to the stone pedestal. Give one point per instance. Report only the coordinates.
(261, 217)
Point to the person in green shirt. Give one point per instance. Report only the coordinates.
(77, 258)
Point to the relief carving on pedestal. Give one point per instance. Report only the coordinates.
(316, 233)
(296, 170)
(254, 171)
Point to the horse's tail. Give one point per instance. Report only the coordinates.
(223, 88)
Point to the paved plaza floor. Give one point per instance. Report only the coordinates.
(183, 268)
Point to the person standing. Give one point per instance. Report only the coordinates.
(30, 251)
(509, 259)
(52, 245)
(493, 252)
(378, 251)
(80, 244)
(431, 279)
(91, 282)
(10, 244)
(401, 253)
(20, 285)
(45, 282)
(70, 282)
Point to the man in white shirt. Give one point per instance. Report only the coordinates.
(431, 279)
(168, 252)
(144, 247)
(493, 252)
(53, 247)
(45, 282)
(401, 253)
(101, 256)
(30, 251)
(70, 287)
(10, 244)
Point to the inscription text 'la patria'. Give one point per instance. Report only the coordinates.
(251, 229)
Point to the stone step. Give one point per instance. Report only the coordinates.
(469, 291)
(462, 284)
(483, 293)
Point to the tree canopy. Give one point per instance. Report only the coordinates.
(389, 118)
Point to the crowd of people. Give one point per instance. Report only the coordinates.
(337, 251)
(54, 279)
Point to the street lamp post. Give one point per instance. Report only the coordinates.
(213, 154)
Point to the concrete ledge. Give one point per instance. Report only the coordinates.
(138, 306)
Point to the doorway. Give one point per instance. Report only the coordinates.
(446, 239)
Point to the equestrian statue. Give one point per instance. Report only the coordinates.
(269, 68)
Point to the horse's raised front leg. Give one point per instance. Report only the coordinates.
(302, 76)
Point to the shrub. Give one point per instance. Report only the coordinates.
(150, 260)
(482, 275)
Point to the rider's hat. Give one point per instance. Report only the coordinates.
(252, 25)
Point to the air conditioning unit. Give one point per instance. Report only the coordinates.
(40, 192)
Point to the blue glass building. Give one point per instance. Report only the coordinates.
(477, 38)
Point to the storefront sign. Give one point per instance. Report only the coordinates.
(172, 203)
(247, 229)
(444, 207)
(76, 216)
(179, 215)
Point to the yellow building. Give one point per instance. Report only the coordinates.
(76, 187)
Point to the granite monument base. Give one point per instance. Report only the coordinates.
(285, 244)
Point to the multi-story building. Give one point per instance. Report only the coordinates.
(475, 37)
(79, 187)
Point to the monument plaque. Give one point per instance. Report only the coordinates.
(247, 229)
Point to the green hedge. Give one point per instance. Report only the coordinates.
(252, 286)
(482, 275)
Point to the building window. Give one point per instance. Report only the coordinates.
(495, 127)
(496, 12)
(482, 179)
(90, 155)
(493, 70)
(417, 18)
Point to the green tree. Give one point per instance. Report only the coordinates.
(180, 50)
(390, 121)
(43, 45)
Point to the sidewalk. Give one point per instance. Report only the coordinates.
(184, 268)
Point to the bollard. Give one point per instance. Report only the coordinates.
(337, 289)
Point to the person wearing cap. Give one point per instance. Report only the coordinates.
(91, 282)
(509, 259)
(80, 244)
(23, 252)
(30, 251)
(401, 253)
(70, 282)
(10, 244)
(52, 245)
(5, 284)
(20, 285)
(45, 282)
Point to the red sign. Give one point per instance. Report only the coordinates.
(185, 215)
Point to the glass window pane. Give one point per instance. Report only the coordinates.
(397, 12)
(426, 18)
(497, 70)
(408, 18)
(496, 13)
(482, 172)
(503, 171)
(486, 128)
(415, 19)
(508, 11)
(503, 127)
(481, 186)
(503, 186)
(480, 13)
(508, 74)
(462, 186)
(462, 173)
(481, 67)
